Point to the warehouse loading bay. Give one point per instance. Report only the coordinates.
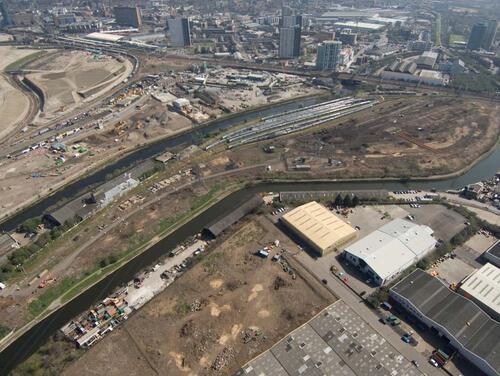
(366, 219)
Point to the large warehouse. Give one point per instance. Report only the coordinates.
(483, 288)
(318, 227)
(471, 331)
(388, 251)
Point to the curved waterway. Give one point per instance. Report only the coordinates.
(30, 341)
(191, 137)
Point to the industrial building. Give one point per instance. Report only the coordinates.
(319, 227)
(335, 342)
(220, 225)
(179, 32)
(427, 60)
(492, 254)
(470, 330)
(406, 70)
(483, 288)
(128, 16)
(387, 252)
(328, 55)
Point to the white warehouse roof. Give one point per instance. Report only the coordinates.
(104, 37)
(484, 286)
(393, 247)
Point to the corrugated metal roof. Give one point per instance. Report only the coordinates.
(484, 286)
(319, 225)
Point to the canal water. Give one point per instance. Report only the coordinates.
(29, 342)
(191, 137)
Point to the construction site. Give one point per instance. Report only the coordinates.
(71, 78)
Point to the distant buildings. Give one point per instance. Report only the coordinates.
(477, 36)
(453, 67)
(179, 32)
(347, 37)
(290, 34)
(406, 70)
(470, 330)
(491, 33)
(328, 55)
(387, 252)
(128, 16)
(427, 60)
(4, 10)
(289, 42)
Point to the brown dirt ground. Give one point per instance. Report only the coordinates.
(236, 293)
(371, 143)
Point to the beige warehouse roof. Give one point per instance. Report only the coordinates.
(320, 226)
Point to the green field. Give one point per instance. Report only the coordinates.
(456, 38)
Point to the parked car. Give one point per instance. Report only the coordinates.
(434, 363)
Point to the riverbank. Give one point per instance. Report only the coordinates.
(96, 174)
(204, 203)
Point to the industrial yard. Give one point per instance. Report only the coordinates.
(228, 308)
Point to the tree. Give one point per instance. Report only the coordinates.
(338, 200)
(30, 225)
(355, 201)
(348, 201)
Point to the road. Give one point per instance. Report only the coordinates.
(339, 289)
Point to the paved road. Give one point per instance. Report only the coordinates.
(343, 292)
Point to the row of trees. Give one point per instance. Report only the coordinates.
(20, 256)
(348, 201)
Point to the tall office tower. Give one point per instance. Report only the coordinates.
(128, 16)
(477, 35)
(4, 10)
(291, 21)
(491, 33)
(290, 34)
(289, 42)
(328, 55)
(179, 32)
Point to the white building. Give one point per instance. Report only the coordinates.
(483, 287)
(387, 252)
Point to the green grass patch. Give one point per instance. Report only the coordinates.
(456, 38)
(4, 330)
(53, 292)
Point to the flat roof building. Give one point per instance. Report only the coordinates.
(335, 342)
(470, 330)
(387, 252)
(427, 60)
(483, 287)
(179, 31)
(128, 16)
(319, 227)
(492, 254)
